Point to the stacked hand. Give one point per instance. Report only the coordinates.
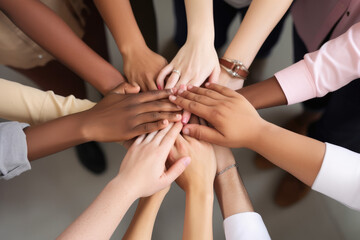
(124, 114)
(235, 122)
(144, 165)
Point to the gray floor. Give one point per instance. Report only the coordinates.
(39, 204)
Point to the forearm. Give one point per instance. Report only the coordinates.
(51, 32)
(230, 191)
(142, 224)
(54, 136)
(264, 94)
(198, 215)
(101, 218)
(299, 155)
(260, 19)
(120, 19)
(200, 21)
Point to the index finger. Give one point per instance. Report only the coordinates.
(194, 107)
(154, 95)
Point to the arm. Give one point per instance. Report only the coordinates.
(197, 60)
(142, 224)
(117, 117)
(240, 220)
(231, 114)
(260, 19)
(50, 32)
(143, 170)
(141, 65)
(326, 70)
(197, 182)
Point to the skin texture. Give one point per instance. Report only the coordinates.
(260, 19)
(237, 124)
(141, 174)
(264, 94)
(141, 65)
(197, 182)
(229, 188)
(51, 32)
(121, 115)
(142, 224)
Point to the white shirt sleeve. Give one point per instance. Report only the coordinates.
(245, 226)
(339, 176)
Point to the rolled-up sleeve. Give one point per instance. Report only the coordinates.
(245, 226)
(13, 150)
(333, 66)
(339, 176)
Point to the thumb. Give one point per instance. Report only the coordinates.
(203, 133)
(176, 170)
(214, 76)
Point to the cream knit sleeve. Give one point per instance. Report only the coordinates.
(30, 105)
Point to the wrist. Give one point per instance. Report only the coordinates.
(203, 191)
(262, 128)
(134, 48)
(121, 185)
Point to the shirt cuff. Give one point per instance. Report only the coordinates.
(296, 83)
(245, 226)
(339, 176)
(13, 150)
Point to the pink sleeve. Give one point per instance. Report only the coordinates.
(333, 66)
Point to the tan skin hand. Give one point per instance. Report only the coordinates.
(201, 172)
(120, 116)
(234, 119)
(142, 68)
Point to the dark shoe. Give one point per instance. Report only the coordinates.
(92, 157)
(290, 191)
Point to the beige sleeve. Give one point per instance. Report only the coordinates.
(30, 105)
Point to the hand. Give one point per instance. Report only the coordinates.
(200, 173)
(144, 165)
(142, 68)
(226, 80)
(236, 123)
(195, 62)
(121, 116)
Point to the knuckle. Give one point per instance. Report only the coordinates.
(192, 105)
(155, 115)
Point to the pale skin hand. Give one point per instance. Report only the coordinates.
(197, 59)
(197, 181)
(142, 173)
(237, 124)
(141, 65)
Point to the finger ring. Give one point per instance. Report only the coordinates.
(176, 71)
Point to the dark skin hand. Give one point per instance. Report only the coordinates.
(121, 115)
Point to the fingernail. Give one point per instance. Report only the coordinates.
(180, 91)
(165, 122)
(172, 98)
(182, 86)
(186, 161)
(185, 120)
(190, 87)
(207, 84)
(186, 131)
(178, 116)
(159, 87)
